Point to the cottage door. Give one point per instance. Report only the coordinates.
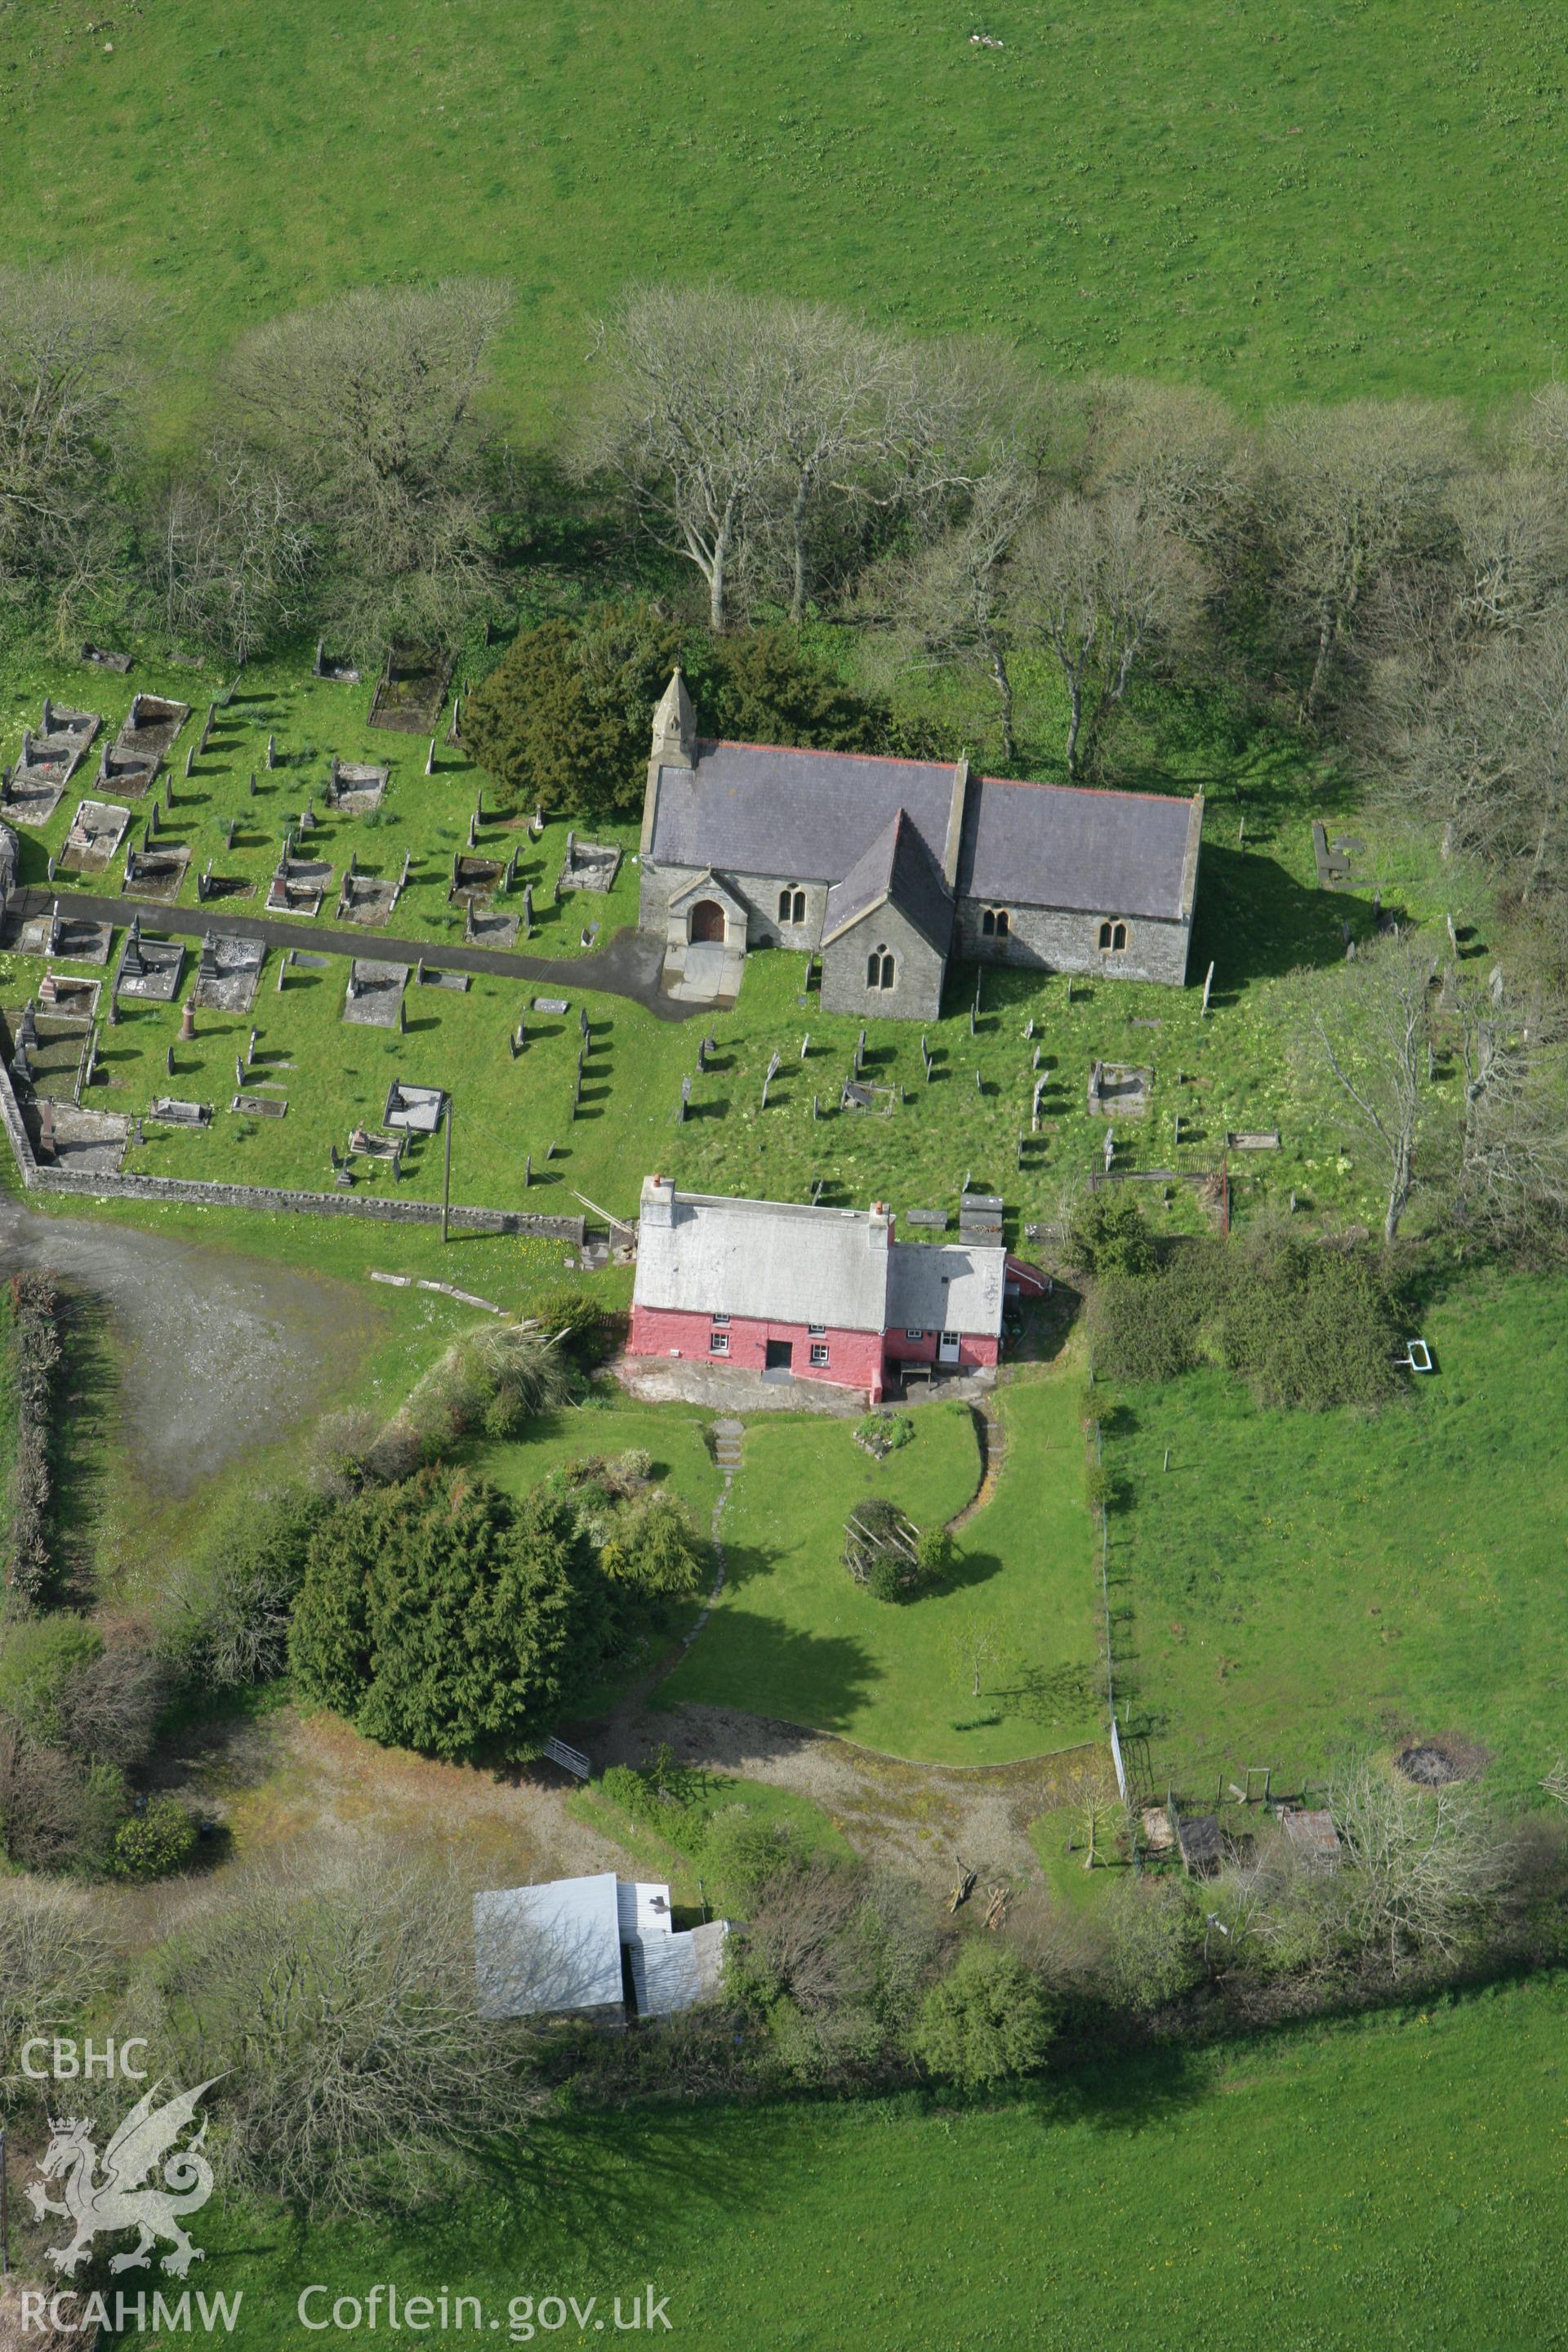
(947, 1353)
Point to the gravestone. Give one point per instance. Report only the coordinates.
(271, 755)
(805, 1046)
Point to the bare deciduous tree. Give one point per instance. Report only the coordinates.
(1424, 1861)
(369, 413)
(1092, 1797)
(954, 601)
(1354, 491)
(1373, 1040)
(233, 555)
(1513, 1136)
(67, 366)
(56, 1960)
(343, 2009)
(690, 423)
(1099, 586)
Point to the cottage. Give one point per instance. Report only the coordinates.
(601, 1948)
(808, 1294)
(890, 868)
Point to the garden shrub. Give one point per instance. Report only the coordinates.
(882, 1433)
(1303, 1325)
(987, 2020)
(156, 1843)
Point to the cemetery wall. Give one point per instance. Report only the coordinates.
(192, 1192)
(1043, 939)
(854, 1357)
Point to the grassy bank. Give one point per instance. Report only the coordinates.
(1395, 2182)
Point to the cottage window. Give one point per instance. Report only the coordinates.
(792, 906)
(880, 969)
(995, 923)
(817, 1330)
(819, 1352)
(1112, 937)
(718, 1343)
(719, 1318)
(911, 1334)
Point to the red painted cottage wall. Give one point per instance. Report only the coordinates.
(972, 1350)
(855, 1358)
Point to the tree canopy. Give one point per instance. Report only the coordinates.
(441, 1614)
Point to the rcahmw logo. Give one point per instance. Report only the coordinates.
(148, 2178)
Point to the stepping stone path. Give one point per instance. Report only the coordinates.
(727, 1437)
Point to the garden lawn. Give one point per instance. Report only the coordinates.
(1396, 2181)
(1274, 198)
(610, 1423)
(793, 1636)
(1299, 1584)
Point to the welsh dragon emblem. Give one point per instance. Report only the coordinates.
(118, 2198)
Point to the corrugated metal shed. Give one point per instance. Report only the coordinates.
(548, 1950)
(669, 1973)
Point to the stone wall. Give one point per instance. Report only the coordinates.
(1041, 940)
(187, 1191)
(916, 993)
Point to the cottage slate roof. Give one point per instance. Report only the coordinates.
(778, 1263)
(897, 868)
(767, 1259)
(801, 816)
(806, 816)
(1092, 852)
(941, 1288)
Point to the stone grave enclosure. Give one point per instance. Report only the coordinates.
(96, 832)
(227, 972)
(374, 995)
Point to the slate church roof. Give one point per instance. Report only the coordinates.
(898, 867)
(832, 816)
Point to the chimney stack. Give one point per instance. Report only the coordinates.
(659, 1201)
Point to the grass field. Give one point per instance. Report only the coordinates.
(1396, 2182)
(792, 1636)
(1299, 1582)
(1278, 198)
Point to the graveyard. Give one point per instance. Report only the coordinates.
(1025, 1085)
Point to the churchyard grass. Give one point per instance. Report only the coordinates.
(1401, 2176)
(1262, 921)
(793, 1636)
(1279, 200)
(1299, 1584)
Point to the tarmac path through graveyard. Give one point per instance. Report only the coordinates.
(629, 966)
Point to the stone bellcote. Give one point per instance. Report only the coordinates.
(673, 725)
(673, 745)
